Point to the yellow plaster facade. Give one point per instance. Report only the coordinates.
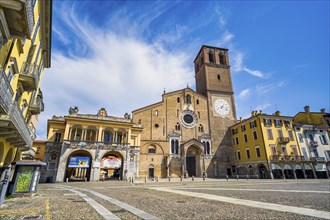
(25, 48)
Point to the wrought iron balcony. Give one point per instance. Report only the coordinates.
(318, 159)
(19, 16)
(29, 76)
(313, 143)
(6, 93)
(14, 128)
(37, 106)
(283, 140)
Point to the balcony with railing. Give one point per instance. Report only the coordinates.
(37, 106)
(318, 159)
(276, 158)
(14, 128)
(6, 93)
(29, 76)
(19, 16)
(313, 143)
(283, 140)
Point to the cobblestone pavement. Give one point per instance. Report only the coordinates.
(175, 199)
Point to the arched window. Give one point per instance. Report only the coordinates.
(177, 127)
(188, 99)
(219, 77)
(172, 147)
(197, 101)
(207, 148)
(178, 99)
(211, 58)
(156, 112)
(199, 115)
(222, 58)
(200, 128)
(176, 147)
(151, 150)
(177, 112)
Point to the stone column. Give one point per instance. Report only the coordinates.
(70, 131)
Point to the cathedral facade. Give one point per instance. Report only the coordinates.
(186, 134)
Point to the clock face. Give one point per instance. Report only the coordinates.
(221, 107)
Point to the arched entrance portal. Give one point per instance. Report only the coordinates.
(78, 166)
(111, 166)
(262, 171)
(193, 161)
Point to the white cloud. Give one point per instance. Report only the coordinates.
(265, 88)
(244, 93)
(238, 66)
(121, 73)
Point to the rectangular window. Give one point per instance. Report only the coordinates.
(291, 135)
(248, 153)
(267, 122)
(58, 137)
(243, 128)
(287, 124)
(237, 141)
(304, 152)
(278, 123)
(300, 137)
(253, 124)
(323, 139)
(327, 154)
(238, 155)
(270, 134)
(234, 131)
(280, 133)
(245, 138)
(258, 151)
(255, 136)
(294, 150)
(273, 149)
(285, 153)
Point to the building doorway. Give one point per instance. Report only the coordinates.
(193, 161)
(78, 166)
(111, 166)
(151, 172)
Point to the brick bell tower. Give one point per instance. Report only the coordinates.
(213, 80)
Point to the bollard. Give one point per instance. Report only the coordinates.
(132, 179)
(181, 178)
(237, 177)
(257, 176)
(227, 177)
(157, 179)
(247, 177)
(145, 179)
(169, 178)
(203, 177)
(67, 180)
(192, 178)
(85, 179)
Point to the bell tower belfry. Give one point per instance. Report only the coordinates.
(213, 80)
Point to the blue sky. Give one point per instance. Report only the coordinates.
(122, 54)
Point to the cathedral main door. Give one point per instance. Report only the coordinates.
(191, 165)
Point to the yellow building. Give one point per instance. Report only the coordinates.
(265, 145)
(312, 132)
(25, 50)
(89, 146)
